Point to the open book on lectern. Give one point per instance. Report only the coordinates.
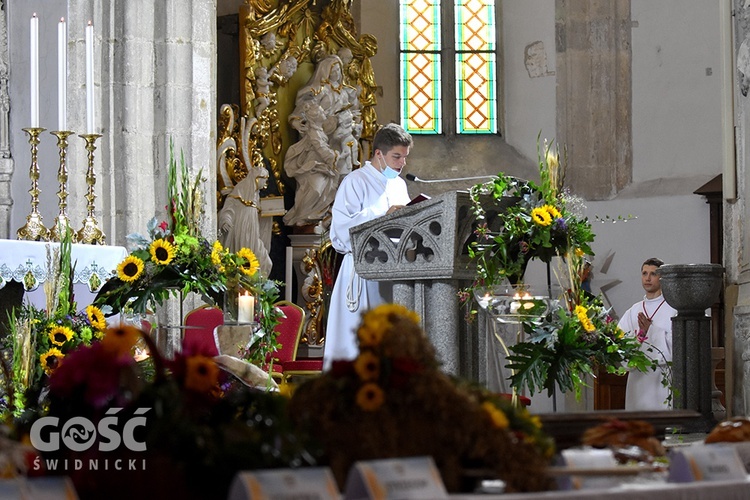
(419, 198)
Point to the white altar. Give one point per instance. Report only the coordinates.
(25, 262)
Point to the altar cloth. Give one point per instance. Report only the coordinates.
(26, 263)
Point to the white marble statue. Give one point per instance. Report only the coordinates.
(327, 149)
(313, 164)
(239, 224)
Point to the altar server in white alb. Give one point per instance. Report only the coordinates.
(650, 320)
(367, 193)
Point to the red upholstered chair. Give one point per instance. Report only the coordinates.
(302, 367)
(199, 334)
(289, 331)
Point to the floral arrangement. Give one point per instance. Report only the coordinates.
(198, 428)
(521, 221)
(571, 342)
(541, 222)
(173, 258)
(176, 259)
(40, 340)
(393, 401)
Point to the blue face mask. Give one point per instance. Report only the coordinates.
(389, 173)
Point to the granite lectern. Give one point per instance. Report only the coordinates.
(422, 249)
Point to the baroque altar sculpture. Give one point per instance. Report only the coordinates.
(281, 43)
(323, 155)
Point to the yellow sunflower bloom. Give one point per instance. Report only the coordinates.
(588, 325)
(251, 265)
(553, 211)
(202, 374)
(162, 252)
(130, 269)
(370, 397)
(370, 335)
(96, 318)
(51, 360)
(541, 217)
(121, 340)
(58, 335)
(496, 414)
(367, 366)
(217, 252)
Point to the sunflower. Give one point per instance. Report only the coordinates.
(202, 374)
(121, 340)
(217, 252)
(370, 333)
(541, 216)
(370, 397)
(367, 366)
(496, 414)
(553, 211)
(51, 360)
(96, 317)
(58, 335)
(583, 316)
(162, 252)
(130, 269)
(251, 265)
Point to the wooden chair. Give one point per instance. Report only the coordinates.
(199, 334)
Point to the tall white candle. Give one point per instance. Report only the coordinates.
(245, 308)
(62, 75)
(34, 63)
(90, 111)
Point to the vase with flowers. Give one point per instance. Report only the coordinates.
(175, 259)
(575, 334)
(191, 428)
(40, 340)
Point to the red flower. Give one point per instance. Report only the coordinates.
(341, 368)
(94, 370)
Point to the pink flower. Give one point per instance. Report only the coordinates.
(163, 225)
(93, 371)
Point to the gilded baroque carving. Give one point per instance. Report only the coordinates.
(312, 292)
(280, 38)
(280, 44)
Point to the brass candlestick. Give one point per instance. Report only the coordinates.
(33, 230)
(90, 232)
(62, 223)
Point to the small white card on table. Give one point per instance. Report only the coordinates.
(310, 483)
(401, 478)
(701, 462)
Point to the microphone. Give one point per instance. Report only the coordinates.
(414, 178)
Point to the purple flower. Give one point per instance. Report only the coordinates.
(561, 225)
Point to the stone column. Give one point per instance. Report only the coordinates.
(6, 162)
(691, 289)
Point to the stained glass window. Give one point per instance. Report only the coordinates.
(425, 102)
(420, 66)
